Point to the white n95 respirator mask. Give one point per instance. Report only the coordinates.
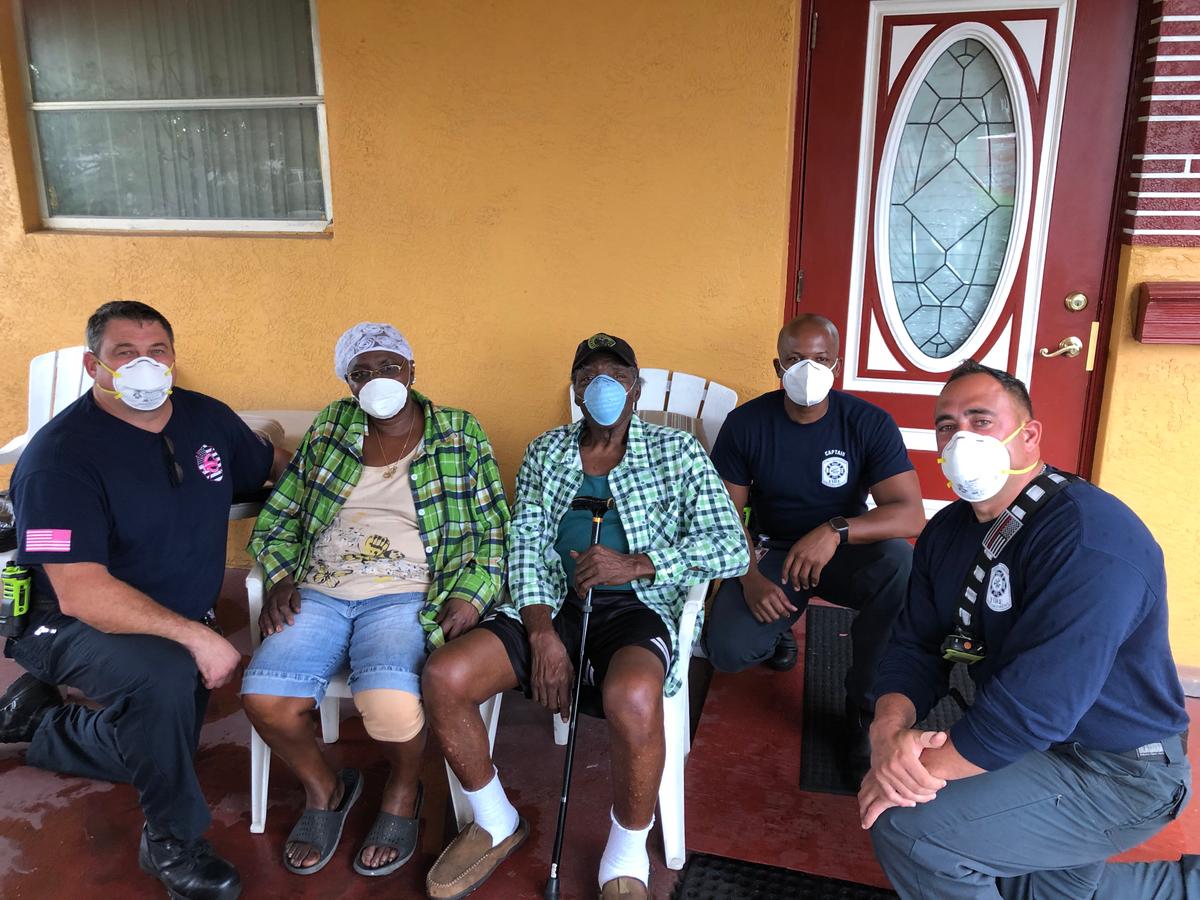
(976, 466)
(383, 397)
(808, 382)
(143, 383)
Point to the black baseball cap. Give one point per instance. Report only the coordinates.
(603, 343)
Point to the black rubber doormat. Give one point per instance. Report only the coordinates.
(707, 877)
(824, 747)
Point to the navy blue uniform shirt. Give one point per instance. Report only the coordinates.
(93, 488)
(1074, 623)
(802, 475)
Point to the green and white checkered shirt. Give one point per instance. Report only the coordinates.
(456, 486)
(673, 508)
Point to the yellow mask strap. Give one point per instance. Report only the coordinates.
(111, 372)
(1015, 433)
(1028, 468)
(116, 394)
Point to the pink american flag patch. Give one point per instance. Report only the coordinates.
(48, 540)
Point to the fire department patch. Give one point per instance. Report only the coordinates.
(208, 462)
(999, 591)
(835, 471)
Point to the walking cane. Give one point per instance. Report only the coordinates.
(597, 507)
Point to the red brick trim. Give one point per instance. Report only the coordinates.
(1160, 194)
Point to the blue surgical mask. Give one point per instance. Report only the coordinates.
(605, 399)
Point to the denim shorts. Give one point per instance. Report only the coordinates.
(379, 639)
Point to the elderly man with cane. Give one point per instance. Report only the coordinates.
(659, 521)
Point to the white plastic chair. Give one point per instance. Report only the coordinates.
(679, 392)
(283, 428)
(56, 380)
(331, 719)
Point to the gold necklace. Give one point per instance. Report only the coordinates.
(390, 469)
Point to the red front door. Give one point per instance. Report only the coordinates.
(959, 167)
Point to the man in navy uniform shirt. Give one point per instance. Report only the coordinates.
(1074, 749)
(122, 505)
(804, 459)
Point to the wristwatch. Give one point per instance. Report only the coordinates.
(842, 527)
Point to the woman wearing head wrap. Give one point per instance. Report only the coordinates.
(383, 539)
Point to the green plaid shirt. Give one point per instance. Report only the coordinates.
(456, 485)
(673, 508)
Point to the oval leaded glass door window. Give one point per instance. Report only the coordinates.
(949, 205)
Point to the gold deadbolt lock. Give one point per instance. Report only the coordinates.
(1075, 301)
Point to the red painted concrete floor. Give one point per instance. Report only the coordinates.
(63, 837)
(744, 800)
(69, 837)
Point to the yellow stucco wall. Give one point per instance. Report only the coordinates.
(1149, 441)
(508, 178)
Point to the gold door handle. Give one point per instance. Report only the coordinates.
(1068, 346)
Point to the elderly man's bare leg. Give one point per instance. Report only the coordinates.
(457, 678)
(633, 705)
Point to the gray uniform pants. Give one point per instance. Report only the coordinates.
(1041, 827)
(1167, 880)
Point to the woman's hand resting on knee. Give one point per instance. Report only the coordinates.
(280, 608)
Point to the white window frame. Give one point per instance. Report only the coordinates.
(124, 224)
(1014, 251)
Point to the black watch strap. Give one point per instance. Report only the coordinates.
(842, 527)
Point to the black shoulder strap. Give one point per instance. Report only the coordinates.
(1036, 495)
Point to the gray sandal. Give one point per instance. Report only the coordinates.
(322, 828)
(398, 832)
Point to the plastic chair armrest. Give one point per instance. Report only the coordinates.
(10, 452)
(254, 601)
(692, 608)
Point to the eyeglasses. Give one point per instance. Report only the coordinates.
(174, 469)
(362, 376)
(583, 378)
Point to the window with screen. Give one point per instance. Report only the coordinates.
(177, 114)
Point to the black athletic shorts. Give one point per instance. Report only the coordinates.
(619, 619)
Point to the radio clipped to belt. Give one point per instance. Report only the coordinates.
(963, 644)
(14, 600)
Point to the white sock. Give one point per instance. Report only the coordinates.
(493, 813)
(625, 853)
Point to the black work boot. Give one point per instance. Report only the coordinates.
(189, 870)
(786, 652)
(22, 707)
